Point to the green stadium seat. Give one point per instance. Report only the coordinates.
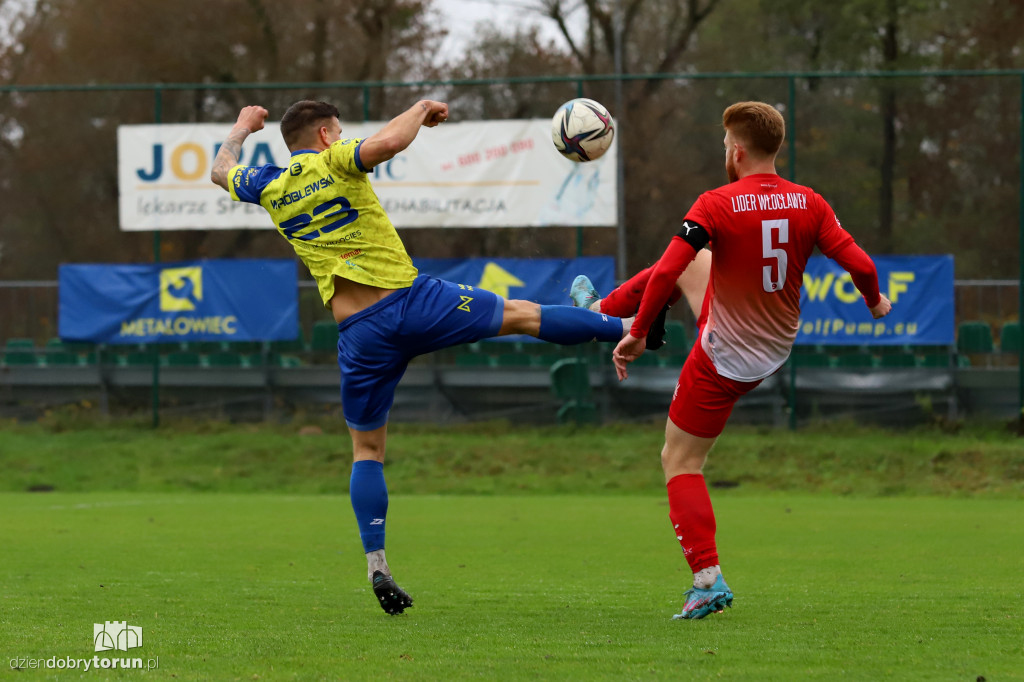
(163, 348)
(570, 382)
(20, 344)
(253, 359)
(512, 359)
(97, 353)
(139, 358)
(811, 359)
(474, 360)
(245, 346)
(296, 345)
(890, 350)
(570, 379)
(59, 358)
(283, 360)
(858, 360)
(974, 337)
(903, 358)
(839, 350)
(20, 358)
(579, 412)
(183, 358)
(225, 358)
(325, 336)
(936, 359)
(544, 359)
(1010, 338)
(205, 347)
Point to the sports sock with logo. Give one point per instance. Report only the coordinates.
(566, 325)
(693, 520)
(369, 495)
(624, 300)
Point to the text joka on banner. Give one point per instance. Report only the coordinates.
(471, 174)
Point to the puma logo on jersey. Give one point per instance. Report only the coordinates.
(687, 226)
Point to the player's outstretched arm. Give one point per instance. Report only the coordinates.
(401, 131)
(250, 119)
(862, 269)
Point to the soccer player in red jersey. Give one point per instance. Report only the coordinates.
(762, 229)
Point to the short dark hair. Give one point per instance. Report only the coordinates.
(304, 115)
(757, 124)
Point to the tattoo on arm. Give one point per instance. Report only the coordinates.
(227, 157)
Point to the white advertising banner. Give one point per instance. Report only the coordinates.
(473, 174)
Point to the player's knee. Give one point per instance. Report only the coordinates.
(368, 444)
(520, 317)
(675, 461)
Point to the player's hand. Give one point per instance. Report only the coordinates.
(628, 350)
(436, 112)
(882, 308)
(252, 118)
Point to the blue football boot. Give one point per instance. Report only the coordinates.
(582, 292)
(700, 603)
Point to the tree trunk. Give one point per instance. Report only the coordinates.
(890, 51)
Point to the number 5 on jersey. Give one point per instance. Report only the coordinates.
(781, 258)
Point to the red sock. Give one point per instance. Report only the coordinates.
(693, 519)
(624, 300)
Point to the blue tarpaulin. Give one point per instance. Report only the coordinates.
(832, 311)
(210, 300)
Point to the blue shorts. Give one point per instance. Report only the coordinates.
(376, 344)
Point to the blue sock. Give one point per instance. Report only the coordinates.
(369, 496)
(567, 325)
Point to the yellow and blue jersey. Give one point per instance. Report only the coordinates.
(324, 205)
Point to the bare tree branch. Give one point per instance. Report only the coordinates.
(553, 9)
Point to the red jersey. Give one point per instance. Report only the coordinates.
(762, 229)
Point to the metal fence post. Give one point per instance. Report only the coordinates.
(791, 111)
(158, 105)
(1020, 265)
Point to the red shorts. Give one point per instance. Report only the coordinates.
(704, 399)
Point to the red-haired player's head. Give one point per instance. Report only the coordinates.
(754, 132)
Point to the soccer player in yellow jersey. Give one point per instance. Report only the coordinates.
(387, 313)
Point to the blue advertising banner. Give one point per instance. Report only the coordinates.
(542, 280)
(832, 311)
(210, 300)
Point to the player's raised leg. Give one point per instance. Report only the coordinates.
(694, 281)
(624, 300)
(560, 324)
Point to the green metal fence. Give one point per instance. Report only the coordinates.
(798, 93)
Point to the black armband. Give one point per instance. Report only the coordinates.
(694, 234)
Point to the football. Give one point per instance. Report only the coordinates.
(582, 130)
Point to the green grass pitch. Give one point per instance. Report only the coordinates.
(272, 587)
